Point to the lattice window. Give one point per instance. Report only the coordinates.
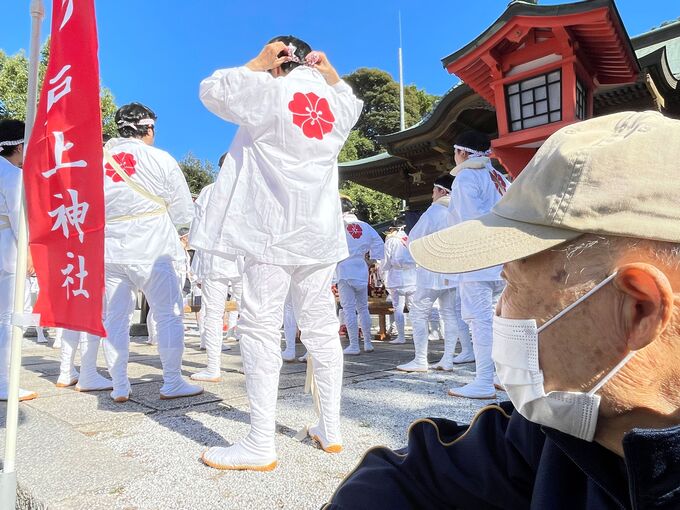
(535, 101)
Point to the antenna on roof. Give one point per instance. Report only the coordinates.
(402, 122)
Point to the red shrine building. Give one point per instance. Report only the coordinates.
(536, 69)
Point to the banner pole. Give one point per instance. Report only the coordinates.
(8, 480)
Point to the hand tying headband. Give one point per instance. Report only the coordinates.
(311, 59)
(10, 142)
(474, 153)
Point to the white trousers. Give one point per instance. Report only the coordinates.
(421, 309)
(401, 297)
(160, 284)
(236, 293)
(478, 304)
(213, 300)
(265, 287)
(354, 300)
(289, 325)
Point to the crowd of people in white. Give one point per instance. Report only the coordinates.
(272, 234)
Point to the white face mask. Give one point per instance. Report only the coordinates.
(515, 353)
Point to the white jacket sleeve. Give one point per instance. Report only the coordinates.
(13, 201)
(421, 228)
(386, 263)
(351, 104)
(238, 95)
(178, 197)
(466, 200)
(377, 245)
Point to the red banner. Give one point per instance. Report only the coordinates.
(63, 176)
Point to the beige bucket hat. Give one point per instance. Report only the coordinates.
(614, 175)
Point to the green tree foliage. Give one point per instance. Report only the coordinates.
(371, 206)
(14, 88)
(197, 173)
(380, 116)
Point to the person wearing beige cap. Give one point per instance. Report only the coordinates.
(586, 337)
(476, 189)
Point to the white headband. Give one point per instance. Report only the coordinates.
(142, 122)
(10, 142)
(473, 152)
(442, 187)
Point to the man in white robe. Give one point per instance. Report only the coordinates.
(11, 161)
(399, 273)
(433, 287)
(215, 275)
(147, 198)
(276, 201)
(352, 275)
(476, 189)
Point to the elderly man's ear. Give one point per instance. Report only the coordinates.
(647, 304)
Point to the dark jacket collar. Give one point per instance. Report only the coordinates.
(648, 476)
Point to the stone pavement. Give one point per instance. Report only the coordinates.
(83, 451)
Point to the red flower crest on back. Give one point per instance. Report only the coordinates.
(355, 230)
(312, 114)
(127, 163)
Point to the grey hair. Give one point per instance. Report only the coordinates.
(602, 253)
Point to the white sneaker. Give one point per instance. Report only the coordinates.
(351, 350)
(413, 366)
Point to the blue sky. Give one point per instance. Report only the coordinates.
(158, 51)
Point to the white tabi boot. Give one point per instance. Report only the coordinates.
(289, 333)
(117, 360)
(420, 339)
(327, 385)
(255, 452)
(446, 363)
(4, 376)
(467, 354)
(173, 384)
(42, 339)
(90, 379)
(482, 386)
(213, 347)
(68, 375)
(353, 348)
(59, 333)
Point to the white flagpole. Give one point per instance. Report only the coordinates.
(402, 121)
(8, 479)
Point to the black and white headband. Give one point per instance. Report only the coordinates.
(10, 142)
(442, 188)
(474, 153)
